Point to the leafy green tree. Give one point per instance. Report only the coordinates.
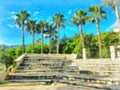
(46, 48)
(5, 58)
(42, 26)
(53, 43)
(96, 14)
(18, 51)
(59, 22)
(79, 19)
(29, 48)
(31, 27)
(11, 53)
(20, 21)
(63, 43)
(37, 48)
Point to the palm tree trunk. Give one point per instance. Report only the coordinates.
(117, 14)
(42, 43)
(83, 44)
(58, 39)
(81, 35)
(99, 37)
(23, 45)
(50, 45)
(32, 42)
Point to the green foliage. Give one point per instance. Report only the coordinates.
(59, 22)
(3, 82)
(29, 49)
(73, 45)
(5, 57)
(11, 52)
(20, 21)
(37, 48)
(18, 51)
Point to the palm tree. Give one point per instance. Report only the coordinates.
(42, 27)
(79, 19)
(31, 27)
(114, 4)
(20, 21)
(50, 34)
(59, 22)
(96, 14)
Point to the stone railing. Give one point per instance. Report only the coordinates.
(12, 68)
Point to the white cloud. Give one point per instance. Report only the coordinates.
(16, 26)
(35, 13)
(11, 26)
(72, 28)
(14, 17)
(12, 12)
(3, 42)
(70, 12)
(113, 26)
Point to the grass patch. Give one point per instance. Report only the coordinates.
(2, 82)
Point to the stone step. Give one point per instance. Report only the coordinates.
(44, 58)
(95, 79)
(46, 70)
(40, 64)
(38, 67)
(99, 69)
(99, 65)
(36, 74)
(43, 81)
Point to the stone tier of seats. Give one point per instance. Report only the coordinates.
(59, 69)
(42, 68)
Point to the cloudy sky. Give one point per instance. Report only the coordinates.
(44, 10)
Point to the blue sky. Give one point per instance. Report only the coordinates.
(10, 34)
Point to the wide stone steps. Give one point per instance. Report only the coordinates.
(57, 68)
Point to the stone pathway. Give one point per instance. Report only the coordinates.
(47, 87)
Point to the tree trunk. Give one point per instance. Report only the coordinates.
(99, 37)
(32, 42)
(58, 39)
(83, 44)
(117, 14)
(42, 42)
(50, 46)
(81, 35)
(23, 45)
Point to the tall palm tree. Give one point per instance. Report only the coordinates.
(79, 19)
(31, 27)
(115, 4)
(96, 14)
(42, 27)
(59, 22)
(50, 34)
(20, 21)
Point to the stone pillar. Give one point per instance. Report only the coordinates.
(84, 53)
(118, 54)
(112, 52)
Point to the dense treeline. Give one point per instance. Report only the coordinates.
(67, 46)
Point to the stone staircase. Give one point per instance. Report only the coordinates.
(42, 68)
(94, 71)
(61, 69)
